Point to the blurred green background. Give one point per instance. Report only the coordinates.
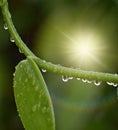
(51, 29)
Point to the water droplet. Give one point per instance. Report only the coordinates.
(13, 74)
(65, 78)
(5, 27)
(89, 81)
(33, 83)
(78, 78)
(12, 40)
(38, 105)
(84, 80)
(70, 77)
(26, 80)
(115, 84)
(36, 88)
(34, 108)
(110, 83)
(44, 109)
(97, 83)
(44, 70)
(44, 61)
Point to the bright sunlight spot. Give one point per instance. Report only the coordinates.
(84, 50)
(84, 47)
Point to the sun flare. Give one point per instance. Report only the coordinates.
(84, 47)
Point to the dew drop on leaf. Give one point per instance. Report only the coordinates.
(36, 88)
(28, 86)
(44, 110)
(34, 108)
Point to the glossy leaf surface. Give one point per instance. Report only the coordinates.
(32, 98)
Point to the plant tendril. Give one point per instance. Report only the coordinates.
(90, 75)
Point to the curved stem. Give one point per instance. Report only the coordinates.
(77, 73)
(8, 21)
(90, 75)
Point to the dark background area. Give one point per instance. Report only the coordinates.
(45, 26)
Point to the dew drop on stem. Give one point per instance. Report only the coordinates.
(89, 81)
(5, 27)
(70, 77)
(14, 74)
(97, 83)
(84, 80)
(115, 84)
(78, 78)
(110, 83)
(65, 78)
(44, 70)
(12, 40)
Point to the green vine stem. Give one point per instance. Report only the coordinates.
(70, 72)
(8, 22)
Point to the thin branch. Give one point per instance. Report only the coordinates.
(8, 22)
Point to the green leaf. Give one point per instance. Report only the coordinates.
(32, 98)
